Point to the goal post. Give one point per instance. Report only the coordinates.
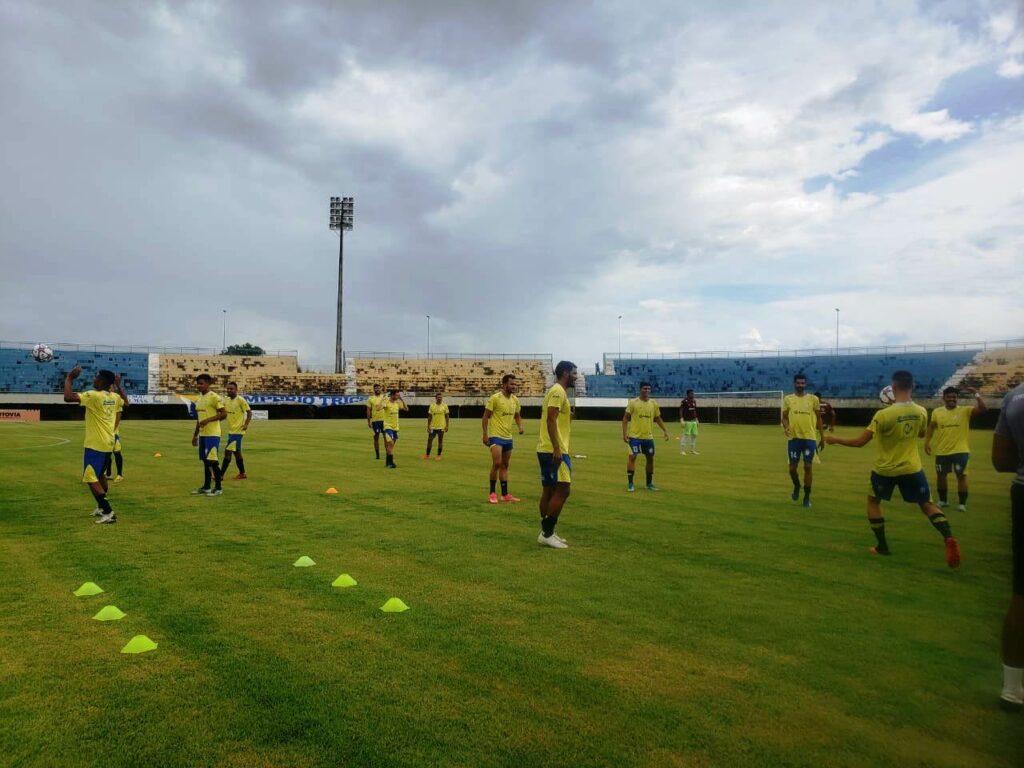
(753, 407)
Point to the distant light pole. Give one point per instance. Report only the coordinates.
(224, 334)
(428, 335)
(837, 331)
(342, 214)
(620, 336)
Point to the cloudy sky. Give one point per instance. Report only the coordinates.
(524, 172)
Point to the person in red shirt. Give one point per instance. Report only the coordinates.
(688, 417)
(828, 419)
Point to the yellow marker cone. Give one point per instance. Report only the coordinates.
(110, 613)
(394, 605)
(304, 562)
(88, 590)
(344, 581)
(156, 456)
(139, 644)
(332, 489)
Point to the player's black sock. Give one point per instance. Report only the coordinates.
(389, 460)
(207, 475)
(941, 524)
(547, 525)
(963, 497)
(796, 483)
(225, 464)
(376, 450)
(101, 500)
(494, 484)
(807, 493)
(629, 475)
(504, 487)
(878, 528)
(240, 463)
(440, 445)
(217, 474)
(943, 495)
(119, 461)
(650, 478)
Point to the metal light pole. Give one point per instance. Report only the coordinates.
(620, 337)
(224, 334)
(341, 222)
(837, 331)
(428, 335)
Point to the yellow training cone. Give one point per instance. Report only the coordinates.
(110, 613)
(88, 590)
(157, 455)
(139, 644)
(394, 605)
(332, 489)
(304, 562)
(344, 581)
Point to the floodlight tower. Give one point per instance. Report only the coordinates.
(341, 222)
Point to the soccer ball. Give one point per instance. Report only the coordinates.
(887, 396)
(41, 353)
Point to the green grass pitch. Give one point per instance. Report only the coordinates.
(714, 623)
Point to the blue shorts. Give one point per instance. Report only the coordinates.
(504, 442)
(638, 446)
(378, 427)
(913, 488)
(234, 442)
(952, 462)
(208, 448)
(802, 447)
(391, 434)
(94, 464)
(553, 475)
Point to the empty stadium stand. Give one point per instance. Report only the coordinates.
(265, 374)
(469, 376)
(20, 373)
(848, 375)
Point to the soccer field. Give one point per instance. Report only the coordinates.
(714, 623)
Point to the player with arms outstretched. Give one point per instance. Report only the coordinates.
(553, 454)
(898, 465)
(101, 408)
(642, 413)
(950, 426)
(801, 421)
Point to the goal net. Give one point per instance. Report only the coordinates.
(758, 407)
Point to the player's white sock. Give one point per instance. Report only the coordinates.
(1013, 683)
(693, 444)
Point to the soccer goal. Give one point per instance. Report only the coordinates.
(757, 407)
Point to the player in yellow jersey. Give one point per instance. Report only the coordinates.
(116, 457)
(638, 422)
(437, 424)
(553, 454)
(393, 404)
(239, 417)
(898, 464)
(210, 412)
(950, 426)
(501, 411)
(375, 416)
(801, 422)
(101, 407)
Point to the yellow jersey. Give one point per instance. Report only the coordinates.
(390, 411)
(438, 412)
(555, 398)
(206, 408)
(952, 428)
(117, 424)
(100, 414)
(503, 415)
(897, 429)
(803, 416)
(236, 407)
(376, 405)
(641, 418)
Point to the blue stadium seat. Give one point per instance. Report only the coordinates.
(852, 376)
(21, 374)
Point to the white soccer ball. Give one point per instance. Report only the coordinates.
(887, 396)
(41, 353)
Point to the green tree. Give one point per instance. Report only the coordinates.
(247, 349)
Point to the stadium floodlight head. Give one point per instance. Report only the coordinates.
(342, 213)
